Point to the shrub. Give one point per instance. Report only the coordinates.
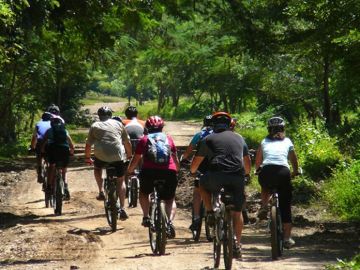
(342, 191)
(317, 151)
(304, 189)
(353, 264)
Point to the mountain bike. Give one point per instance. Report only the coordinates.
(58, 194)
(45, 186)
(111, 197)
(159, 220)
(133, 184)
(224, 232)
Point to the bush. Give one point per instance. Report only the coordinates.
(353, 264)
(343, 191)
(304, 189)
(317, 151)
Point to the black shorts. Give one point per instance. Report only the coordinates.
(147, 177)
(38, 148)
(58, 155)
(276, 176)
(119, 166)
(213, 181)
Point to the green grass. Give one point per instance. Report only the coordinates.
(78, 137)
(93, 98)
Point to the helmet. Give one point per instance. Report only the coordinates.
(276, 124)
(207, 120)
(46, 116)
(104, 113)
(56, 120)
(53, 109)
(233, 123)
(131, 112)
(221, 120)
(154, 123)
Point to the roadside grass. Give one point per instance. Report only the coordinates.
(78, 137)
(93, 98)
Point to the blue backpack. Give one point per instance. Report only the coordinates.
(158, 148)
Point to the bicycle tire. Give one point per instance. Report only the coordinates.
(134, 191)
(228, 240)
(209, 231)
(274, 233)
(152, 228)
(280, 234)
(163, 228)
(110, 204)
(216, 252)
(59, 187)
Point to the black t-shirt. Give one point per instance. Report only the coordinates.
(225, 151)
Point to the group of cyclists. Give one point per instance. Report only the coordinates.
(216, 152)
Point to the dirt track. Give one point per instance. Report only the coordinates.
(33, 238)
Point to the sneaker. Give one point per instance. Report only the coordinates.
(146, 222)
(101, 196)
(210, 218)
(122, 214)
(237, 251)
(170, 230)
(195, 224)
(289, 243)
(40, 180)
(263, 212)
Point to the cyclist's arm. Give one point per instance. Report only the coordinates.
(196, 163)
(134, 162)
(188, 152)
(259, 158)
(87, 151)
(294, 162)
(247, 164)
(34, 139)
(44, 143)
(128, 149)
(71, 144)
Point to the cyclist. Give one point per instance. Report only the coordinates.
(59, 147)
(37, 139)
(205, 131)
(152, 169)
(227, 168)
(131, 114)
(274, 171)
(111, 145)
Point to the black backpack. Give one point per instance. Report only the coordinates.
(59, 134)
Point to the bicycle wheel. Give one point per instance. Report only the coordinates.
(210, 232)
(216, 252)
(133, 192)
(59, 188)
(110, 205)
(280, 234)
(152, 228)
(228, 240)
(196, 231)
(161, 234)
(274, 233)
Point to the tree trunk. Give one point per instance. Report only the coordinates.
(327, 103)
(58, 76)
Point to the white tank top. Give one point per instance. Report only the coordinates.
(275, 152)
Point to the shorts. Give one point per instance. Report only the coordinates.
(58, 155)
(119, 166)
(213, 181)
(38, 148)
(147, 177)
(277, 176)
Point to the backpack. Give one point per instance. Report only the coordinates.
(205, 132)
(158, 148)
(59, 134)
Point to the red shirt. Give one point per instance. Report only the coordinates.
(141, 149)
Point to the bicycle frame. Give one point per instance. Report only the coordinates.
(133, 184)
(276, 228)
(110, 202)
(58, 191)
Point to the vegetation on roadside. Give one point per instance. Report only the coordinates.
(353, 264)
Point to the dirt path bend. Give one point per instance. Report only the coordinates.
(33, 238)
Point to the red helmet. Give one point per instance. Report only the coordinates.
(154, 122)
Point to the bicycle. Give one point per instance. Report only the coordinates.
(111, 197)
(224, 231)
(158, 220)
(133, 184)
(58, 194)
(46, 187)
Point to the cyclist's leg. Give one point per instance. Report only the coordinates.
(51, 152)
(120, 186)
(98, 165)
(168, 193)
(205, 192)
(146, 187)
(196, 202)
(38, 160)
(285, 196)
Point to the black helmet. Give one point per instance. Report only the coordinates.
(56, 120)
(104, 113)
(53, 109)
(46, 116)
(207, 121)
(131, 112)
(221, 121)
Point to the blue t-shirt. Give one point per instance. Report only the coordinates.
(275, 152)
(200, 135)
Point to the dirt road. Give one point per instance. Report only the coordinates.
(33, 238)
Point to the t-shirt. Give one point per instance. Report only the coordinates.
(225, 151)
(108, 138)
(41, 127)
(127, 121)
(275, 152)
(135, 129)
(141, 149)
